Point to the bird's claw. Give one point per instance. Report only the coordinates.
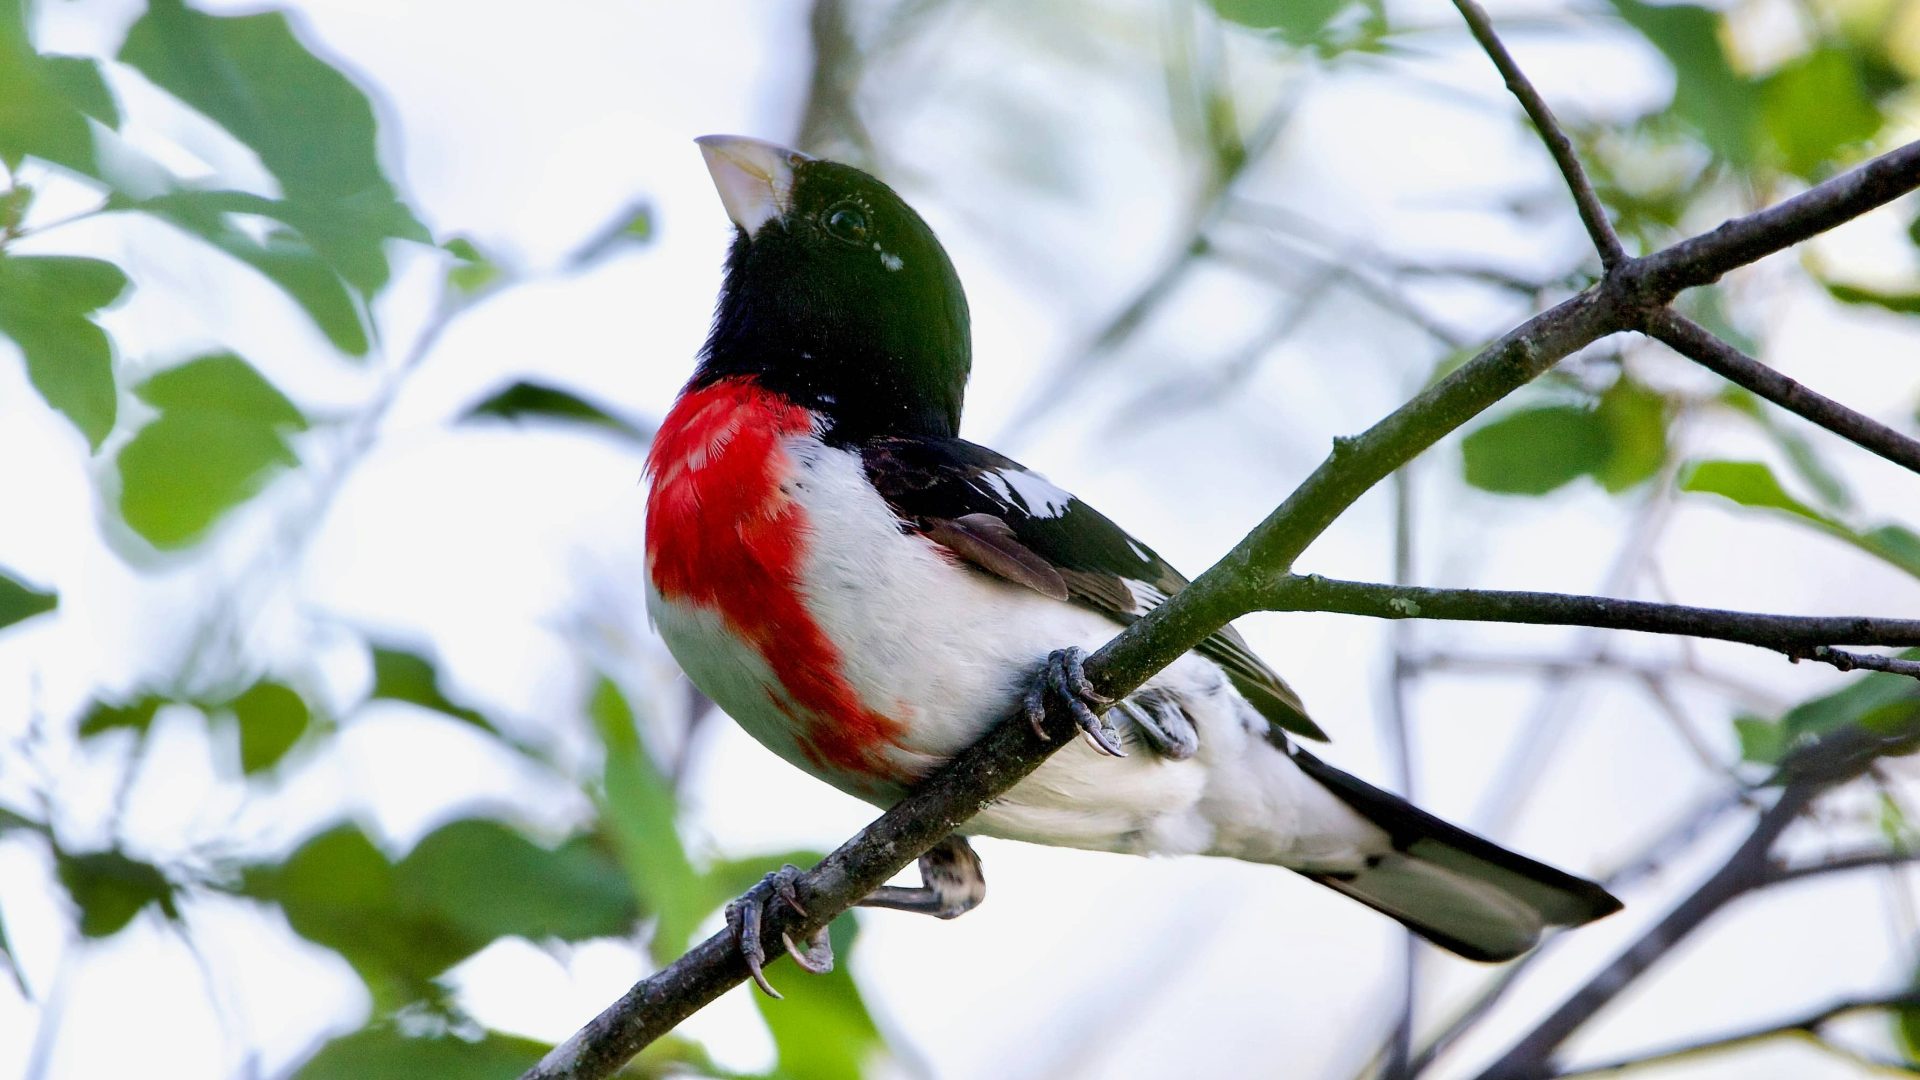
(746, 917)
(1064, 676)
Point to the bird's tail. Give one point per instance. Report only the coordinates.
(1463, 893)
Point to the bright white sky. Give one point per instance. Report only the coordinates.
(528, 133)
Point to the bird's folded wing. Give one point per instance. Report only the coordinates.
(1013, 523)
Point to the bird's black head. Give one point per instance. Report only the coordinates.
(837, 295)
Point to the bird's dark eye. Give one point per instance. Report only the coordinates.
(847, 222)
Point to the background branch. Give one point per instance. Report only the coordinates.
(1799, 635)
(1810, 1024)
(1743, 871)
(1592, 214)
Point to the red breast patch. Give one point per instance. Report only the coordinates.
(721, 535)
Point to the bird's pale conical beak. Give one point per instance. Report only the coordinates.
(754, 177)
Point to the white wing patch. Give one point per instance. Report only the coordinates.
(1030, 490)
(1145, 596)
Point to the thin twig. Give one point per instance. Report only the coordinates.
(1685, 830)
(1592, 214)
(1698, 344)
(1743, 871)
(1848, 661)
(1869, 859)
(1396, 729)
(1802, 635)
(1810, 1024)
(1604, 663)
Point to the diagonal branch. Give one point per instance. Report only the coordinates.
(1703, 259)
(1743, 871)
(1696, 343)
(1809, 636)
(1592, 214)
(1231, 588)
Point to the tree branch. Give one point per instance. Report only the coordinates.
(1696, 343)
(1230, 588)
(1848, 661)
(1868, 859)
(1744, 870)
(1703, 259)
(1810, 1024)
(1797, 635)
(1592, 214)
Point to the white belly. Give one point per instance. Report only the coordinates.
(947, 651)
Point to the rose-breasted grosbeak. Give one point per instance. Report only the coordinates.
(866, 592)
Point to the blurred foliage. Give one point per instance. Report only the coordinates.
(18, 601)
(1620, 442)
(526, 399)
(1877, 703)
(205, 435)
(185, 444)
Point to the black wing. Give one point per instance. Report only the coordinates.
(1014, 523)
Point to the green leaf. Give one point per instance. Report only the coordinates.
(285, 257)
(1752, 484)
(221, 382)
(1878, 701)
(38, 118)
(382, 1053)
(1906, 1030)
(633, 228)
(1296, 21)
(14, 203)
(466, 883)
(272, 717)
(638, 807)
(45, 306)
(472, 270)
(1535, 450)
(312, 128)
(348, 234)
(78, 79)
(1894, 825)
(821, 1028)
(1749, 483)
(339, 890)
(1635, 419)
(1904, 303)
(532, 399)
(1709, 96)
(1897, 544)
(19, 600)
(492, 882)
(1762, 742)
(7, 960)
(1816, 107)
(111, 888)
(400, 675)
(137, 716)
(220, 435)
(1800, 454)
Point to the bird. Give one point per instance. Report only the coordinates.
(866, 593)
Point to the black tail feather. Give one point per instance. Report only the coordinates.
(1460, 891)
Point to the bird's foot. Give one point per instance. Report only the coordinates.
(951, 883)
(747, 915)
(1064, 676)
